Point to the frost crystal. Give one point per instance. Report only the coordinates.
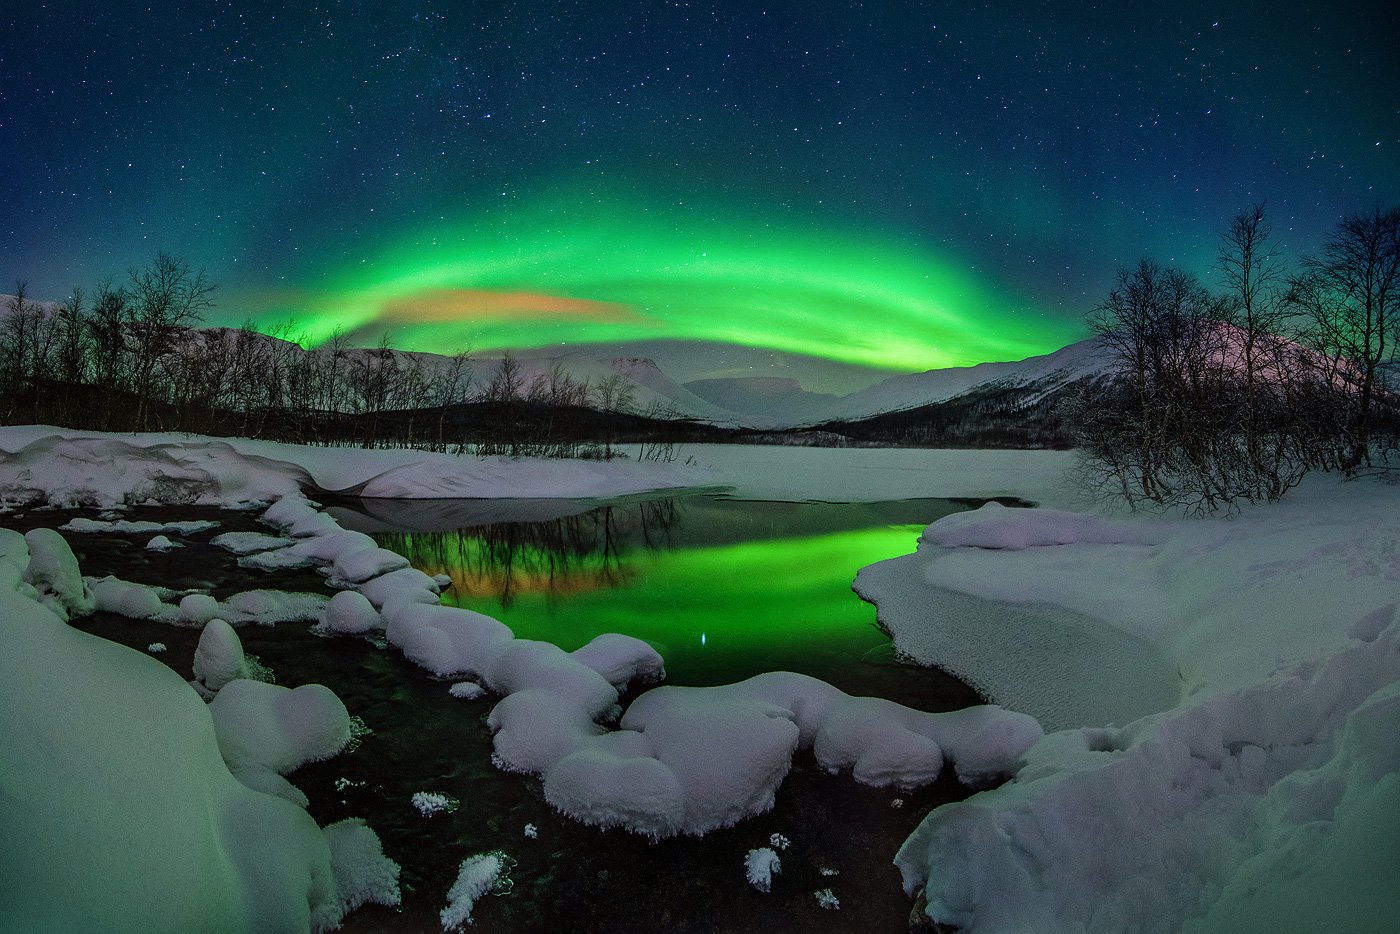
(760, 866)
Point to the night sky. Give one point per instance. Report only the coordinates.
(892, 185)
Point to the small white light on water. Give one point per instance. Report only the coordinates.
(702, 638)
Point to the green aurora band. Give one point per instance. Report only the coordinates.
(573, 271)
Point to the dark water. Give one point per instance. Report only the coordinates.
(726, 589)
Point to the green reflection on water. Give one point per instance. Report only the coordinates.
(717, 611)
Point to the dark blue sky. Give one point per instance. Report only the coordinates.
(298, 151)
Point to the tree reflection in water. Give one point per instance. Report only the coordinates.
(555, 557)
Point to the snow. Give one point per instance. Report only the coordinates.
(852, 475)
(683, 760)
(247, 543)
(429, 803)
(218, 658)
(363, 874)
(162, 543)
(155, 648)
(1221, 694)
(479, 875)
(265, 731)
(67, 467)
(127, 526)
(1227, 759)
(132, 818)
(349, 613)
(467, 690)
(760, 866)
(827, 899)
(52, 571)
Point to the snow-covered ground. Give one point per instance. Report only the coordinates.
(1226, 696)
(1224, 693)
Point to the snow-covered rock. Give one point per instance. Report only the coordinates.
(349, 613)
(53, 572)
(219, 658)
(265, 731)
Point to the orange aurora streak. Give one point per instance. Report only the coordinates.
(483, 305)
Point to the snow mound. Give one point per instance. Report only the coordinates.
(117, 800)
(247, 543)
(480, 875)
(130, 527)
(52, 571)
(760, 866)
(219, 659)
(125, 598)
(104, 470)
(349, 613)
(162, 543)
(358, 566)
(692, 760)
(265, 731)
(1247, 792)
(997, 526)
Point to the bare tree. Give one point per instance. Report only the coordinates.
(167, 297)
(1351, 292)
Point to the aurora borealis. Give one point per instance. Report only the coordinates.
(895, 186)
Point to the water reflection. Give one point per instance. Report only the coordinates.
(724, 589)
(570, 554)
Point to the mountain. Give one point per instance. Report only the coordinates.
(776, 400)
(1036, 376)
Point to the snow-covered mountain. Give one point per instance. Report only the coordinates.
(1037, 375)
(775, 400)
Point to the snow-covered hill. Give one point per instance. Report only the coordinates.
(1039, 375)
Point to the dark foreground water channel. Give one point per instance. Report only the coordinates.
(724, 589)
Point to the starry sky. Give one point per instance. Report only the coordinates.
(828, 189)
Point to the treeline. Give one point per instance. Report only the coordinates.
(132, 357)
(1231, 396)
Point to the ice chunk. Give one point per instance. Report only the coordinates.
(466, 690)
(155, 648)
(760, 866)
(827, 899)
(218, 659)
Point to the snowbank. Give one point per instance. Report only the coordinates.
(65, 467)
(1226, 760)
(120, 814)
